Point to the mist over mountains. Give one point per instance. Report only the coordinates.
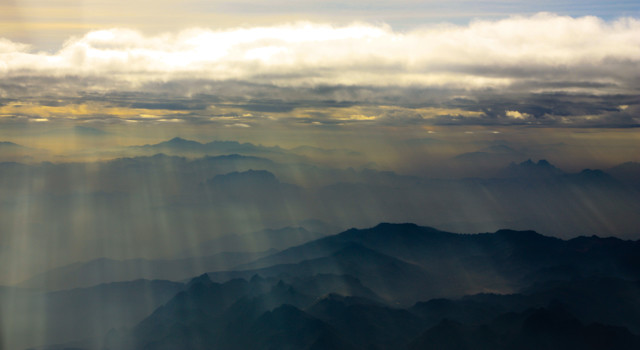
(236, 246)
(392, 286)
(163, 207)
(222, 253)
(371, 175)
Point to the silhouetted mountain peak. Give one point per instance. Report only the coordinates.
(531, 169)
(593, 177)
(203, 279)
(386, 234)
(544, 163)
(177, 143)
(283, 289)
(256, 279)
(394, 229)
(9, 145)
(280, 285)
(180, 140)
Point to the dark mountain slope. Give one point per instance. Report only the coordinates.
(545, 328)
(603, 300)
(371, 325)
(393, 279)
(238, 314)
(459, 264)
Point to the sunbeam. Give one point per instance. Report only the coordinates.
(319, 175)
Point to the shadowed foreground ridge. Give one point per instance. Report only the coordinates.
(402, 286)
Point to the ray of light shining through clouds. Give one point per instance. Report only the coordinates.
(319, 174)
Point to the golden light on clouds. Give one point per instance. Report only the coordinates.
(80, 111)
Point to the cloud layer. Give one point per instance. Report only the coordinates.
(553, 66)
(544, 48)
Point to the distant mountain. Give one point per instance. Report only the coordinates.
(104, 270)
(126, 173)
(457, 264)
(594, 177)
(628, 173)
(178, 144)
(263, 240)
(243, 314)
(13, 152)
(6, 145)
(392, 279)
(233, 315)
(252, 189)
(530, 169)
(547, 172)
(347, 292)
(267, 314)
(81, 315)
(492, 155)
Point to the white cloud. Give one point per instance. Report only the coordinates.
(517, 115)
(8, 46)
(544, 47)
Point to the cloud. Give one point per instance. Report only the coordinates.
(517, 115)
(483, 54)
(238, 125)
(8, 47)
(543, 69)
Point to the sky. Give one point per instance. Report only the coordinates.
(428, 89)
(321, 63)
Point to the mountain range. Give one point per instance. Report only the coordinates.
(219, 254)
(402, 286)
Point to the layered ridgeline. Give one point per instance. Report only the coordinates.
(402, 286)
(212, 195)
(222, 253)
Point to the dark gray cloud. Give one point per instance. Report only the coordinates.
(387, 106)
